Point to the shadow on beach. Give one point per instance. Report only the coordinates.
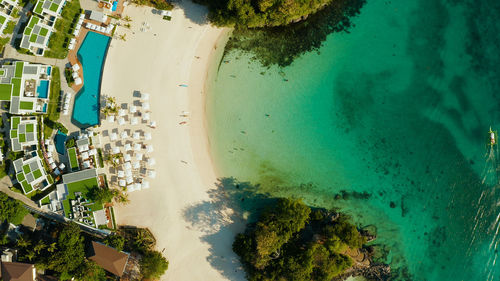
(192, 11)
(222, 217)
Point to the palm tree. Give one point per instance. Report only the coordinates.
(30, 255)
(52, 247)
(127, 19)
(22, 242)
(40, 246)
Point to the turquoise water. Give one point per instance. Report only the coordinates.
(389, 123)
(49, 69)
(91, 54)
(59, 141)
(43, 89)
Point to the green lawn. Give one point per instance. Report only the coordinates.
(20, 177)
(37, 174)
(45, 200)
(26, 169)
(22, 138)
(67, 208)
(53, 7)
(5, 91)
(38, 9)
(9, 29)
(44, 31)
(30, 128)
(59, 40)
(19, 69)
(15, 122)
(26, 187)
(52, 112)
(2, 19)
(13, 134)
(26, 105)
(27, 31)
(16, 82)
(84, 187)
(72, 158)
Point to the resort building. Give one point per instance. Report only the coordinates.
(16, 271)
(30, 173)
(6, 8)
(41, 25)
(23, 133)
(109, 258)
(26, 86)
(84, 155)
(71, 198)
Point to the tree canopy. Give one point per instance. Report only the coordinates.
(153, 265)
(11, 209)
(261, 13)
(288, 242)
(70, 253)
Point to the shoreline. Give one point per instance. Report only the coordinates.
(193, 229)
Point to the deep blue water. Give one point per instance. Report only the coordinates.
(92, 54)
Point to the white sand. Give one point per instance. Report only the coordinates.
(195, 234)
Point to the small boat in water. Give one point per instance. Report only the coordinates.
(493, 137)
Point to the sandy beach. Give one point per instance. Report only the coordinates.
(194, 231)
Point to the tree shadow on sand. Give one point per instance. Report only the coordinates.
(223, 216)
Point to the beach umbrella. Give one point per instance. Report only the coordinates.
(47, 141)
(75, 66)
(130, 188)
(151, 161)
(122, 183)
(126, 157)
(85, 155)
(145, 106)
(84, 147)
(113, 136)
(136, 135)
(133, 109)
(137, 147)
(93, 151)
(111, 118)
(121, 121)
(127, 147)
(49, 153)
(152, 124)
(127, 166)
(116, 150)
(51, 148)
(149, 148)
(146, 116)
(138, 156)
(122, 112)
(152, 174)
(134, 121)
(136, 165)
(53, 165)
(128, 173)
(86, 164)
(121, 174)
(145, 184)
(130, 180)
(124, 135)
(78, 81)
(147, 135)
(137, 186)
(145, 96)
(62, 166)
(75, 75)
(51, 160)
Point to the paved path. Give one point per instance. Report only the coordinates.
(6, 183)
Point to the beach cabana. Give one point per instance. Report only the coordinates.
(111, 118)
(121, 174)
(151, 161)
(133, 109)
(146, 117)
(136, 165)
(137, 186)
(130, 188)
(138, 156)
(149, 148)
(145, 184)
(122, 112)
(152, 174)
(121, 121)
(75, 75)
(127, 158)
(62, 166)
(116, 150)
(134, 121)
(127, 166)
(152, 124)
(136, 135)
(145, 106)
(128, 147)
(85, 155)
(75, 66)
(53, 165)
(84, 147)
(78, 81)
(113, 136)
(145, 96)
(137, 147)
(147, 135)
(130, 180)
(122, 183)
(124, 135)
(128, 173)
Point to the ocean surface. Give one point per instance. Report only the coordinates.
(389, 123)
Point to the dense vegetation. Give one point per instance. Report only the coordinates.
(11, 210)
(53, 113)
(261, 13)
(292, 242)
(65, 25)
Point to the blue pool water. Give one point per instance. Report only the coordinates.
(91, 55)
(48, 70)
(59, 140)
(115, 4)
(43, 89)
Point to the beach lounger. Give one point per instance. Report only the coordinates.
(82, 16)
(71, 46)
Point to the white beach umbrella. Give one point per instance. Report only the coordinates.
(51, 160)
(75, 66)
(116, 150)
(78, 81)
(122, 183)
(145, 184)
(121, 121)
(134, 121)
(53, 165)
(145, 106)
(136, 165)
(75, 75)
(85, 155)
(121, 174)
(137, 134)
(130, 188)
(133, 109)
(151, 161)
(111, 118)
(149, 148)
(127, 158)
(51, 148)
(137, 186)
(137, 147)
(130, 180)
(128, 173)
(138, 156)
(62, 166)
(49, 153)
(152, 124)
(127, 166)
(146, 116)
(127, 147)
(147, 135)
(47, 141)
(86, 164)
(124, 135)
(152, 174)
(122, 112)
(145, 96)
(113, 136)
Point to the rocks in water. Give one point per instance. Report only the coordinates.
(392, 204)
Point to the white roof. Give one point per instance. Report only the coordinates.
(111, 119)
(133, 109)
(85, 155)
(122, 112)
(98, 16)
(136, 165)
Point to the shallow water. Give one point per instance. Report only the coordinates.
(389, 123)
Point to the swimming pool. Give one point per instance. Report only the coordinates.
(43, 89)
(115, 4)
(59, 141)
(91, 55)
(48, 70)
